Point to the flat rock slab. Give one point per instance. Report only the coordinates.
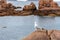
(44, 35)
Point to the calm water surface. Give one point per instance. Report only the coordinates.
(48, 22)
(17, 27)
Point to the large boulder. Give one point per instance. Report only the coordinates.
(33, 6)
(29, 7)
(38, 35)
(54, 5)
(48, 3)
(55, 35)
(9, 5)
(51, 14)
(58, 13)
(43, 34)
(3, 14)
(25, 13)
(4, 5)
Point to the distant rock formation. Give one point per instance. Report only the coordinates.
(44, 35)
(7, 9)
(48, 7)
(30, 7)
(47, 4)
(45, 8)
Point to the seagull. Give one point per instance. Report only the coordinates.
(36, 26)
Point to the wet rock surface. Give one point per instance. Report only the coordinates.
(44, 35)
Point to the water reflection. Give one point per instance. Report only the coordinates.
(47, 22)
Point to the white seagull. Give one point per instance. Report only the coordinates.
(36, 26)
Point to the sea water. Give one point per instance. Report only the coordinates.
(18, 27)
(48, 22)
(15, 27)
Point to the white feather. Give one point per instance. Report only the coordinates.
(36, 25)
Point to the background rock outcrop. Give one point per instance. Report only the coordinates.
(7, 9)
(30, 7)
(47, 4)
(48, 7)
